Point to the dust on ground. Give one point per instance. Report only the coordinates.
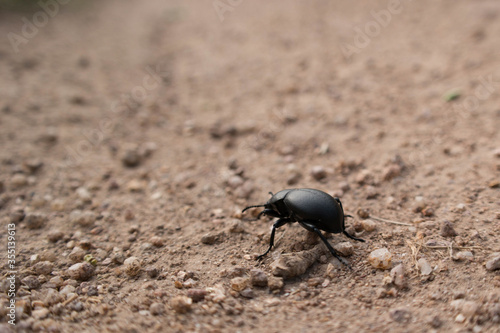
(134, 133)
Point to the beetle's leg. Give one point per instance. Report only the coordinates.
(348, 216)
(276, 225)
(330, 248)
(352, 237)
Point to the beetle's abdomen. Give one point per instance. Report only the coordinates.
(317, 206)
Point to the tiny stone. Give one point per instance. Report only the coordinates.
(157, 241)
(210, 238)
(247, 293)
(31, 282)
(58, 205)
(84, 194)
(40, 314)
(464, 256)
(345, 248)
(494, 262)
(67, 290)
(35, 220)
(235, 182)
(237, 271)
(392, 171)
(435, 322)
(447, 229)
(19, 180)
(152, 272)
(43, 267)
(82, 218)
(369, 225)
(77, 254)
(196, 295)
(237, 227)
(131, 158)
(55, 235)
(428, 211)
(363, 213)
(364, 177)
(381, 258)
(424, 266)
(398, 276)
(275, 283)
(181, 304)
(460, 208)
(400, 315)
(258, 278)
(82, 271)
(239, 283)
(132, 266)
(57, 281)
(318, 172)
(371, 192)
(157, 309)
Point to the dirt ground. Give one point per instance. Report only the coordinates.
(134, 133)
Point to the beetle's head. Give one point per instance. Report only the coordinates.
(274, 207)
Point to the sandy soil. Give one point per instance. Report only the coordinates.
(133, 133)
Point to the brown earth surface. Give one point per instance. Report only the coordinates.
(134, 133)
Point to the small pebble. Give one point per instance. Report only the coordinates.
(157, 241)
(84, 194)
(196, 295)
(424, 266)
(40, 314)
(318, 172)
(435, 322)
(181, 304)
(81, 272)
(43, 267)
(19, 180)
(398, 277)
(76, 254)
(132, 266)
(31, 282)
(345, 248)
(401, 315)
(392, 171)
(247, 293)
(466, 308)
(447, 229)
(211, 238)
(381, 258)
(364, 177)
(464, 256)
(131, 158)
(157, 309)
(239, 283)
(35, 220)
(494, 262)
(258, 278)
(363, 213)
(55, 235)
(275, 283)
(82, 218)
(237, 227)
(152, 272)
(369, 225)
(460, 208)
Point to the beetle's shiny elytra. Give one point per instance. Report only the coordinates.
(313, 209)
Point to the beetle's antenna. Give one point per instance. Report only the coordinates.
(252, 207)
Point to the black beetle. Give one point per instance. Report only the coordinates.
(313, 209)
